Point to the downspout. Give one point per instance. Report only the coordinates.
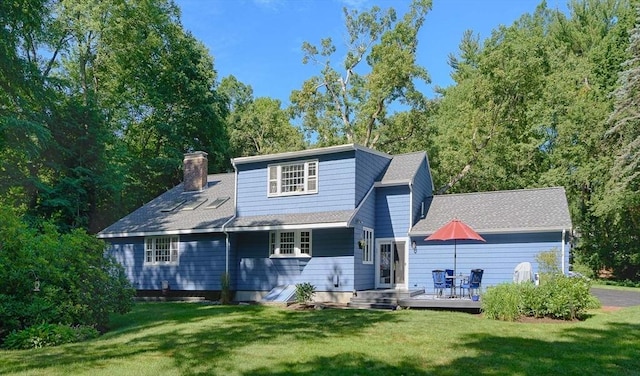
(564, 232)
(227, 243)
(408, 246)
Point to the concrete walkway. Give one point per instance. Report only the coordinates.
(616, 298)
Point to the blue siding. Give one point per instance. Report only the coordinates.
(336, 188)
(202, 262)
(364, 274)
(392, 212)
(332, 261)
(233, 259)
(498, 257)
(369, 168)
(422, 188)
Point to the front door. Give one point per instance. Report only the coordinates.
(390, 265)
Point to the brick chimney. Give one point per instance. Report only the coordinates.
(195, 171)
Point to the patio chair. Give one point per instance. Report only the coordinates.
(450, 281)
(473, 283)
(439, 281)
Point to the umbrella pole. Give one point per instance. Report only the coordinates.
(455, 255)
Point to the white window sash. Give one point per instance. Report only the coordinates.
(276, 243)
(161, 250)
(309, 175)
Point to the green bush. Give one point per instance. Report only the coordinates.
(548, 264)
(304, 292)
(568, 298)
(78, 284)
(502, 302)
(43, 335)
(561, 297)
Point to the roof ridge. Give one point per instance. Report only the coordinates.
(408, 153)
(502, 191)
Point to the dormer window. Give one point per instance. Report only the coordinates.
(288, 179)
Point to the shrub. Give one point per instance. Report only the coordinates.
(43, 335)
(548, 264)
(304, 292)
(568, 298)
(502, 302)
(78, 284)
(560, 298)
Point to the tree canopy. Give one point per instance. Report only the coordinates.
(352, 103)
(99, 101)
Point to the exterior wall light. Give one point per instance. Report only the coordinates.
(36, 282)
(414, 246)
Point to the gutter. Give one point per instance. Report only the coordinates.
(500, 231)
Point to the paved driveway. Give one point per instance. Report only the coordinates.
(616, 298)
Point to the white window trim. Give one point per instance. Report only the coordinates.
(368, 246)
(278, 179)
(274, 244)
(174, 250)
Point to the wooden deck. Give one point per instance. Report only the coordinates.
(444, 303)
(392, 299)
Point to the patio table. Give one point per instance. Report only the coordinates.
(453, 279)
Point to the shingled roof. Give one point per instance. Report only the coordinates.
(525, 210)
(402, 168)
(340, 218)
(179, 212)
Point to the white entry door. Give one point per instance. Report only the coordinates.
(391, 264)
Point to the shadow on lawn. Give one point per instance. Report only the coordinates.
(169, 329)
(610, 349)
(580, 351)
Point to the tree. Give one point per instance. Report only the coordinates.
(530, 108)
(487, 133)
(624, 130)
(158, 85)
(257, 126)
(25, 96)
(354, 106)
(99, 103)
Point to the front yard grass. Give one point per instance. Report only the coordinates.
(196, 339)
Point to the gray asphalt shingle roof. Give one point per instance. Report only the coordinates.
(190, 214)
(275, 221)
(402, 168)
(525, 210)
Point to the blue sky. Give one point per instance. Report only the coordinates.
(259, 41)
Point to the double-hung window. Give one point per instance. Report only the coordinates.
(296, 178)
(161, 250)
(290, 243)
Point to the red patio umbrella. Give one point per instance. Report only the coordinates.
(455, 230)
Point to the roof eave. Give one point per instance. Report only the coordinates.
(395, 183)
(301, 226)
(305, 154)
(503, 231)
(112, 235)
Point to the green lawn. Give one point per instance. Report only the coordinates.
(190, 338)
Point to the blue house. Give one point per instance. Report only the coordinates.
(344, 218)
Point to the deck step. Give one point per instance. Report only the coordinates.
(381, 299)
(364, 305)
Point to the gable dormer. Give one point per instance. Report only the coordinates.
(317, 180)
